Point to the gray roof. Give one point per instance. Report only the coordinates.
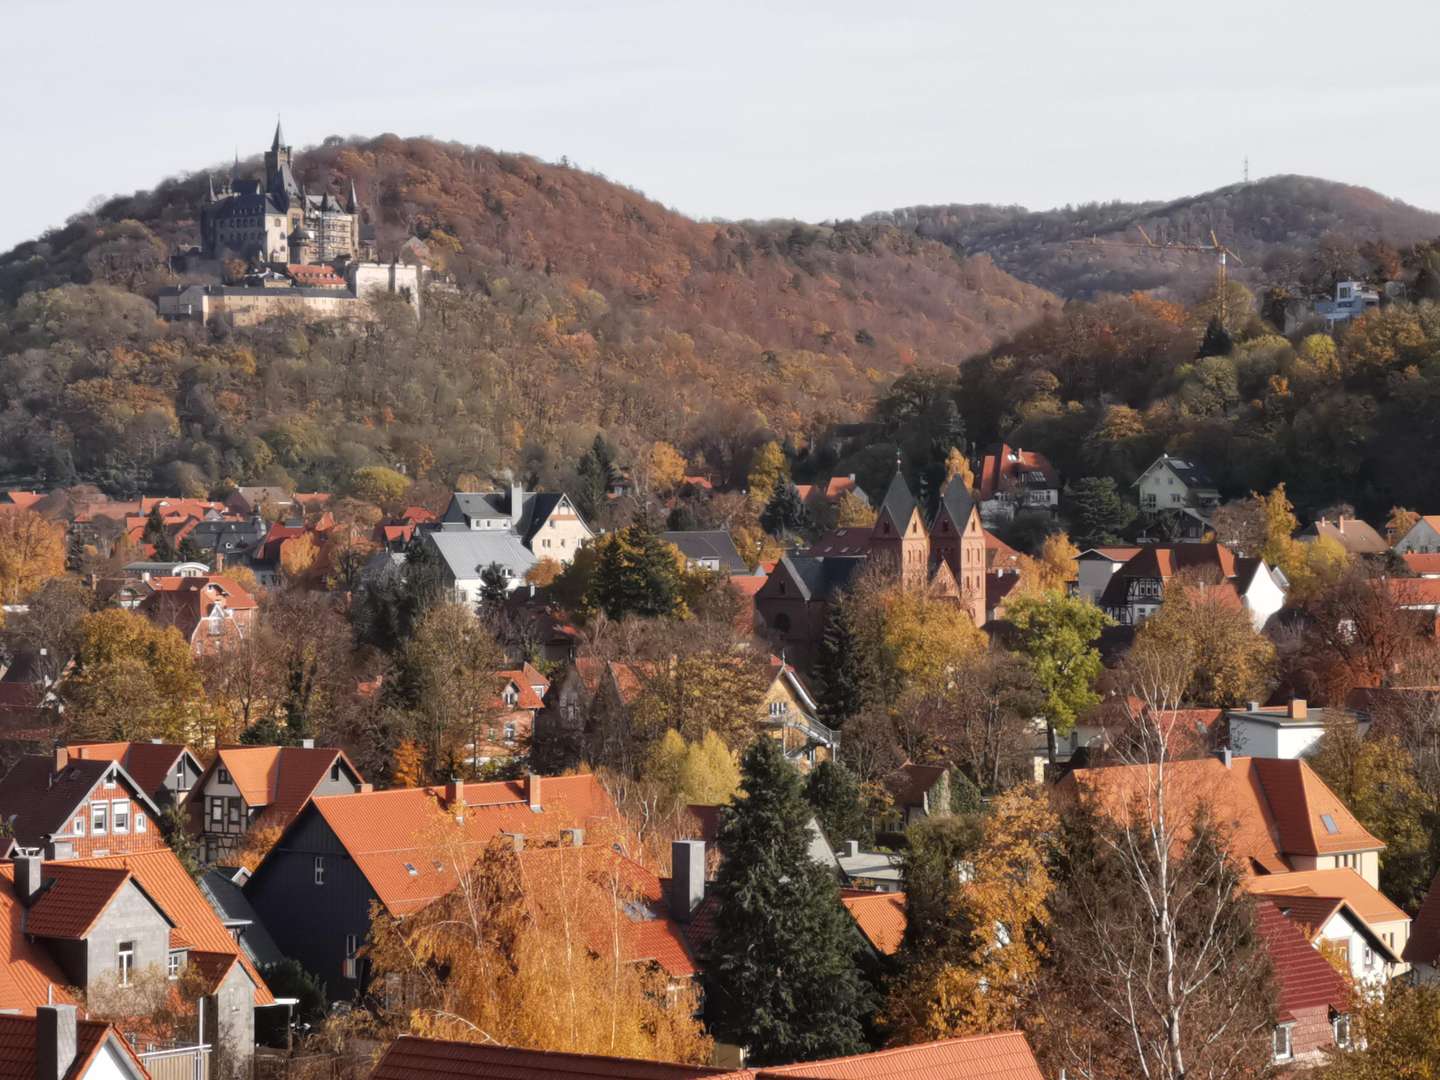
(467, 552)
(479, 504)
(234, 909)
(228, 537)
(1190, 474)
(535, 508)
(820, 576)
(703, 544)
(898, 503)
(956, 499)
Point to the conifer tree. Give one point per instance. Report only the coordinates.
(637, 573)
(833, 791)
(781, 970)
(1217, 340)
(841, 669)
(786, 512)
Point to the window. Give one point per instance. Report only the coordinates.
(335, 771)
(141, 824)
(120, 817)
(1329, 823)
(351, 945)
(180, 774)
(509, 732)
(223, 775)
(80, 825)
(125, 961)
(319, 869)
(172, 966)
(1369, 957)
(99, 816)
(1282, 1042)
(410, 869)
(217, 811)
(1340, 1025)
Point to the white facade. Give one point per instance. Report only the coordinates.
(1421, 539)
(1264, 597)
(1162, 488)
(1278, 739)
(366, 279)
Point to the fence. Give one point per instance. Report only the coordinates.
(178, 1063)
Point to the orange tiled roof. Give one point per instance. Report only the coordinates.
(383, 831)
(76, 897)
(20, 1036)
(880, 916)
(1423, 563)
(29, 976)
(1004, 1055)
(1338, 884)
(162, 877)
(527, 698)
(280, 779)
(23, 499)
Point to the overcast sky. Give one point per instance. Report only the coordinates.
(788, 108)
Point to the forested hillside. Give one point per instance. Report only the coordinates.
(581, 305)
(1293, 230)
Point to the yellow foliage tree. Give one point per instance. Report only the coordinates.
(544, 572)
(979, 975)
(533, 949)
(853, 512)
(667, 467)
(32, 551)
(379, 485)
(768, 469)
(956, 464)
(925, 638)
(1203, 629)
(1399, 523)
(704, 772)
(755, 545)
(133, 680)
(297, 556)
(407, 768)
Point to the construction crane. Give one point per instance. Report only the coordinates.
(1222, 253)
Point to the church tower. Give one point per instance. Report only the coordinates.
(958, 540)
(277, 156)
(899, 537)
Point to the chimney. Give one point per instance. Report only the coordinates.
(27, 878)
(687, 878)
(55, 1041)
(1253, 706)
(532, 792)
(1224, 755)
(62, 758)
(852, 848)
(308, 744)
(366, 789)
(517, 496)
(572, 837)
(1298, 709)
(455, 798)
(518, 839)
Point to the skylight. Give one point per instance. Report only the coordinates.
(1329, 823)
(410, 869)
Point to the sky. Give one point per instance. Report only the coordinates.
(732, 108)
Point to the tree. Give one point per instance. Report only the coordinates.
(923, 638)
(636, 573)
(1057, 634)
(956, 464)
(1400, 522)
(175, 823)
(494, 588)
(702, 773)
(973, 969)
(596, 472)
(1396, 1035)
(785, 512)
(393, 602)
(32, 551)
(532, 949)
(667, 467)
(1217, 340)
(50, 626)
(983, 720)
(1205, 623)
(848, 669)
(544, 573)
(1098, 515)
(768, 470)
(297, 556)
(853, 512)
(780, 971)
(1375, 778)
(833, 791)
(155, 535)
(132, 681)
(379, 485)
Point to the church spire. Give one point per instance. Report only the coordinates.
(279, 139)
(235, 169)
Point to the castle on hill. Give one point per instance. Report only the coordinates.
(276, 220)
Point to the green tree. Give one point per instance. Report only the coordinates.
(1097, 512)
(1217, 340)
(847, 669)
(175, 824)
(781, 970)
(833, 791)
(155, 535)
(379, 485)
(1058, 635)
(494, 587)
(785, 512)
(636, 573)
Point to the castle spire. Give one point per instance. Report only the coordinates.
(210, 179)
(279, 139)
(354, 199)
(235, 169)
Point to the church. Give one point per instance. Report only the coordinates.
(277, 220)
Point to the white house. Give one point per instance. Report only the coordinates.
(1281, 731)
(1422, 538)
(1352, 298)
(1174, 484)
(545, 523)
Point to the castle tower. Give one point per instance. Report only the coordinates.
(899, 536)
(277, 156)
(957, 539)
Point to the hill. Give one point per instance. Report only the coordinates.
(1294, 230)
(582, 305)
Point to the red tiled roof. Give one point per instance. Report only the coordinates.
(1423, 947)
(384, 830)
(1004, 1055)
(1423, 563)
(1002, 463)
(880, 916)
(527, 698)
(29, 975)
(149, 763)
(76, 897)
(1414, 592)
(37, 801)
(19, 1037)
(411, 1058)
(23, 499)
(1299, 800)
(418, 515)
(162, 877)
(183, 602)
(279, 779)
(1306, 980)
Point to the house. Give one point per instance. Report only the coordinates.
(223, 889)
(1312, 1002)
(545, 523)
(1001, 1056)
(1179, 486)
(269, 785)
(255, 501)
(519, 697)
(1340, 909)
(880, 917)
(228, 542)
(1012, 479)
(55, 1044)
(1096, 566)
(342, 853)
(1136, 589)
(1352, 534)
(946, 557)
(465, 556)
(789, 713)
(1422, 950)
(165, 771)
(1281, 731)
(1422, 538)
(68, 808)
(1352, 298)
(211, 612)
(919, 791)
(831, 492)
(708, 549)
